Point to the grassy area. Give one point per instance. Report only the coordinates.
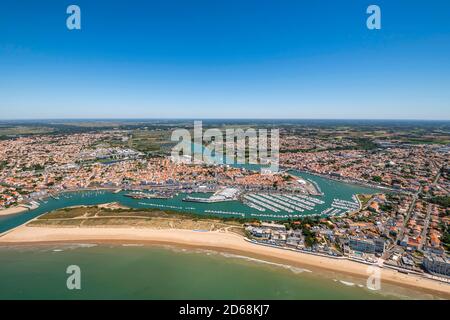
(147, 141)
(94, 216)
(67, 213)
(56, 223)
(7, 131)
(364, 198)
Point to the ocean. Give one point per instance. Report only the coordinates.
(149, 272)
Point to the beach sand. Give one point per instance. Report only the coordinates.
(218, 240)
(12, 210)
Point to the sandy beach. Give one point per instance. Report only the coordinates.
(219, 240)
(12, 210)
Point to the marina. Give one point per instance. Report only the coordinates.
(335, 212)
(256, 199)
(296, 206)
(253, 205)
(225, 212)
(326, 211)
(276, 203)
(345, 205)
(301, 203)
(221, 195)
(274, 206)
(144, 195)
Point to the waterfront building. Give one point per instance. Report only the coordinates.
(293, 241)
(367, 245)
(273, 226)
(437, 264)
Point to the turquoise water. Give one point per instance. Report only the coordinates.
(147, 272)
(331, 189)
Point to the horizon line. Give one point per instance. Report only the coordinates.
(218, 118)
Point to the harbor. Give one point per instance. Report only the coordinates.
(243, 204)
(221, 195)
(146, 195)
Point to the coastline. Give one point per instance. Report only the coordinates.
(13, 210)
(215, 240)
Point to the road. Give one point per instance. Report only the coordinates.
(427, 219)
(425, 227)
(408, 214)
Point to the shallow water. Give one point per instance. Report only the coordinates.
(149, 272)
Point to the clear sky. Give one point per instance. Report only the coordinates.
(225, 59)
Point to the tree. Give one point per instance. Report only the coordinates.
(377, 179)
(443, 201)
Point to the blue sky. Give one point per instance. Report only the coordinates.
(225, 59)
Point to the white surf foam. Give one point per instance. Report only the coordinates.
(285, 266)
